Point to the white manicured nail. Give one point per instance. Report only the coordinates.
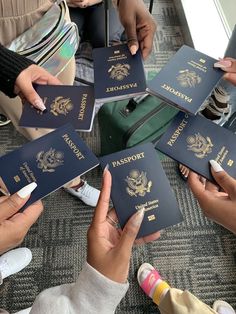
(216, 167)
(38, 103)
(223, 64)
(27, 190)
(138, 218)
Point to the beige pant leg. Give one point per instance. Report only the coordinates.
(183, 302)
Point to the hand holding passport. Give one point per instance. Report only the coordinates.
(64, 104)
(194, 140)
(138, 181)
(51, 161)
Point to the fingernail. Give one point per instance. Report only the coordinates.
(4, 192)
(138, 218)
(133, 49)
(38, 103)
(106, 168)
(216, 167)
(223, 64)
(27, 190)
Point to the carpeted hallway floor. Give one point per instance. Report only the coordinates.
(197, 254)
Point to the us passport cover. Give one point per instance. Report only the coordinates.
(64, 104)
(194, 140)
(50, 161)
(186, 80)
(117, 74)
(138, 180)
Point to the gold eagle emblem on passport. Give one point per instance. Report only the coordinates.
(48, 161)
(119, 71)
(188, 78)
(138, 184)
(200, 145)
(61, 105)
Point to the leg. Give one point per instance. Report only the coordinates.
(95, 27)
(169, 300)
(78, 16)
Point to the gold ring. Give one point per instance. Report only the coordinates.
(113, 222)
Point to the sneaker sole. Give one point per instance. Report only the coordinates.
(218, 303)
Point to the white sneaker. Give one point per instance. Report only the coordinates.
(223, 307)
(4, 120)
(86, 193)
(14, 261)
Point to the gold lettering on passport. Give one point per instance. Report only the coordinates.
(117, 56)
(48, 161)
(61, 106)
(119, 71)
(83, 105)
(230, 162)
(27, 172)
(121, 87)
(200, 65)
(177, 132)
(176, 93)
(127, 159)
(221, 155)
(17, 178)
(73, 147)
(200, 145)
(149, 205)
(138, 184)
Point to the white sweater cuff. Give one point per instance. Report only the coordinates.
(100, 292)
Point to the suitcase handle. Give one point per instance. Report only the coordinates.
(132, 105)
(141, 122)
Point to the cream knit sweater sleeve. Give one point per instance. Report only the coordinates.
(92, 293)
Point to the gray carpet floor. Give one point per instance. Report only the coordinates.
(197, 254)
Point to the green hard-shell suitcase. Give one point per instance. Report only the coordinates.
(125, 123)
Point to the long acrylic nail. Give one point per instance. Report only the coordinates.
(106, 168)
(223, 64)
(133, 49)
(27, 190)
(38, 103)
(138, 218)
(216, 167)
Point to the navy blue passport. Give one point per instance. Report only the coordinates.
(50, 161)
(65, 104)
(117, 74)
(194, 140)
(138, 180)
(186, 80)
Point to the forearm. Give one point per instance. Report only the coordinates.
(91, 293)
(11, 65)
